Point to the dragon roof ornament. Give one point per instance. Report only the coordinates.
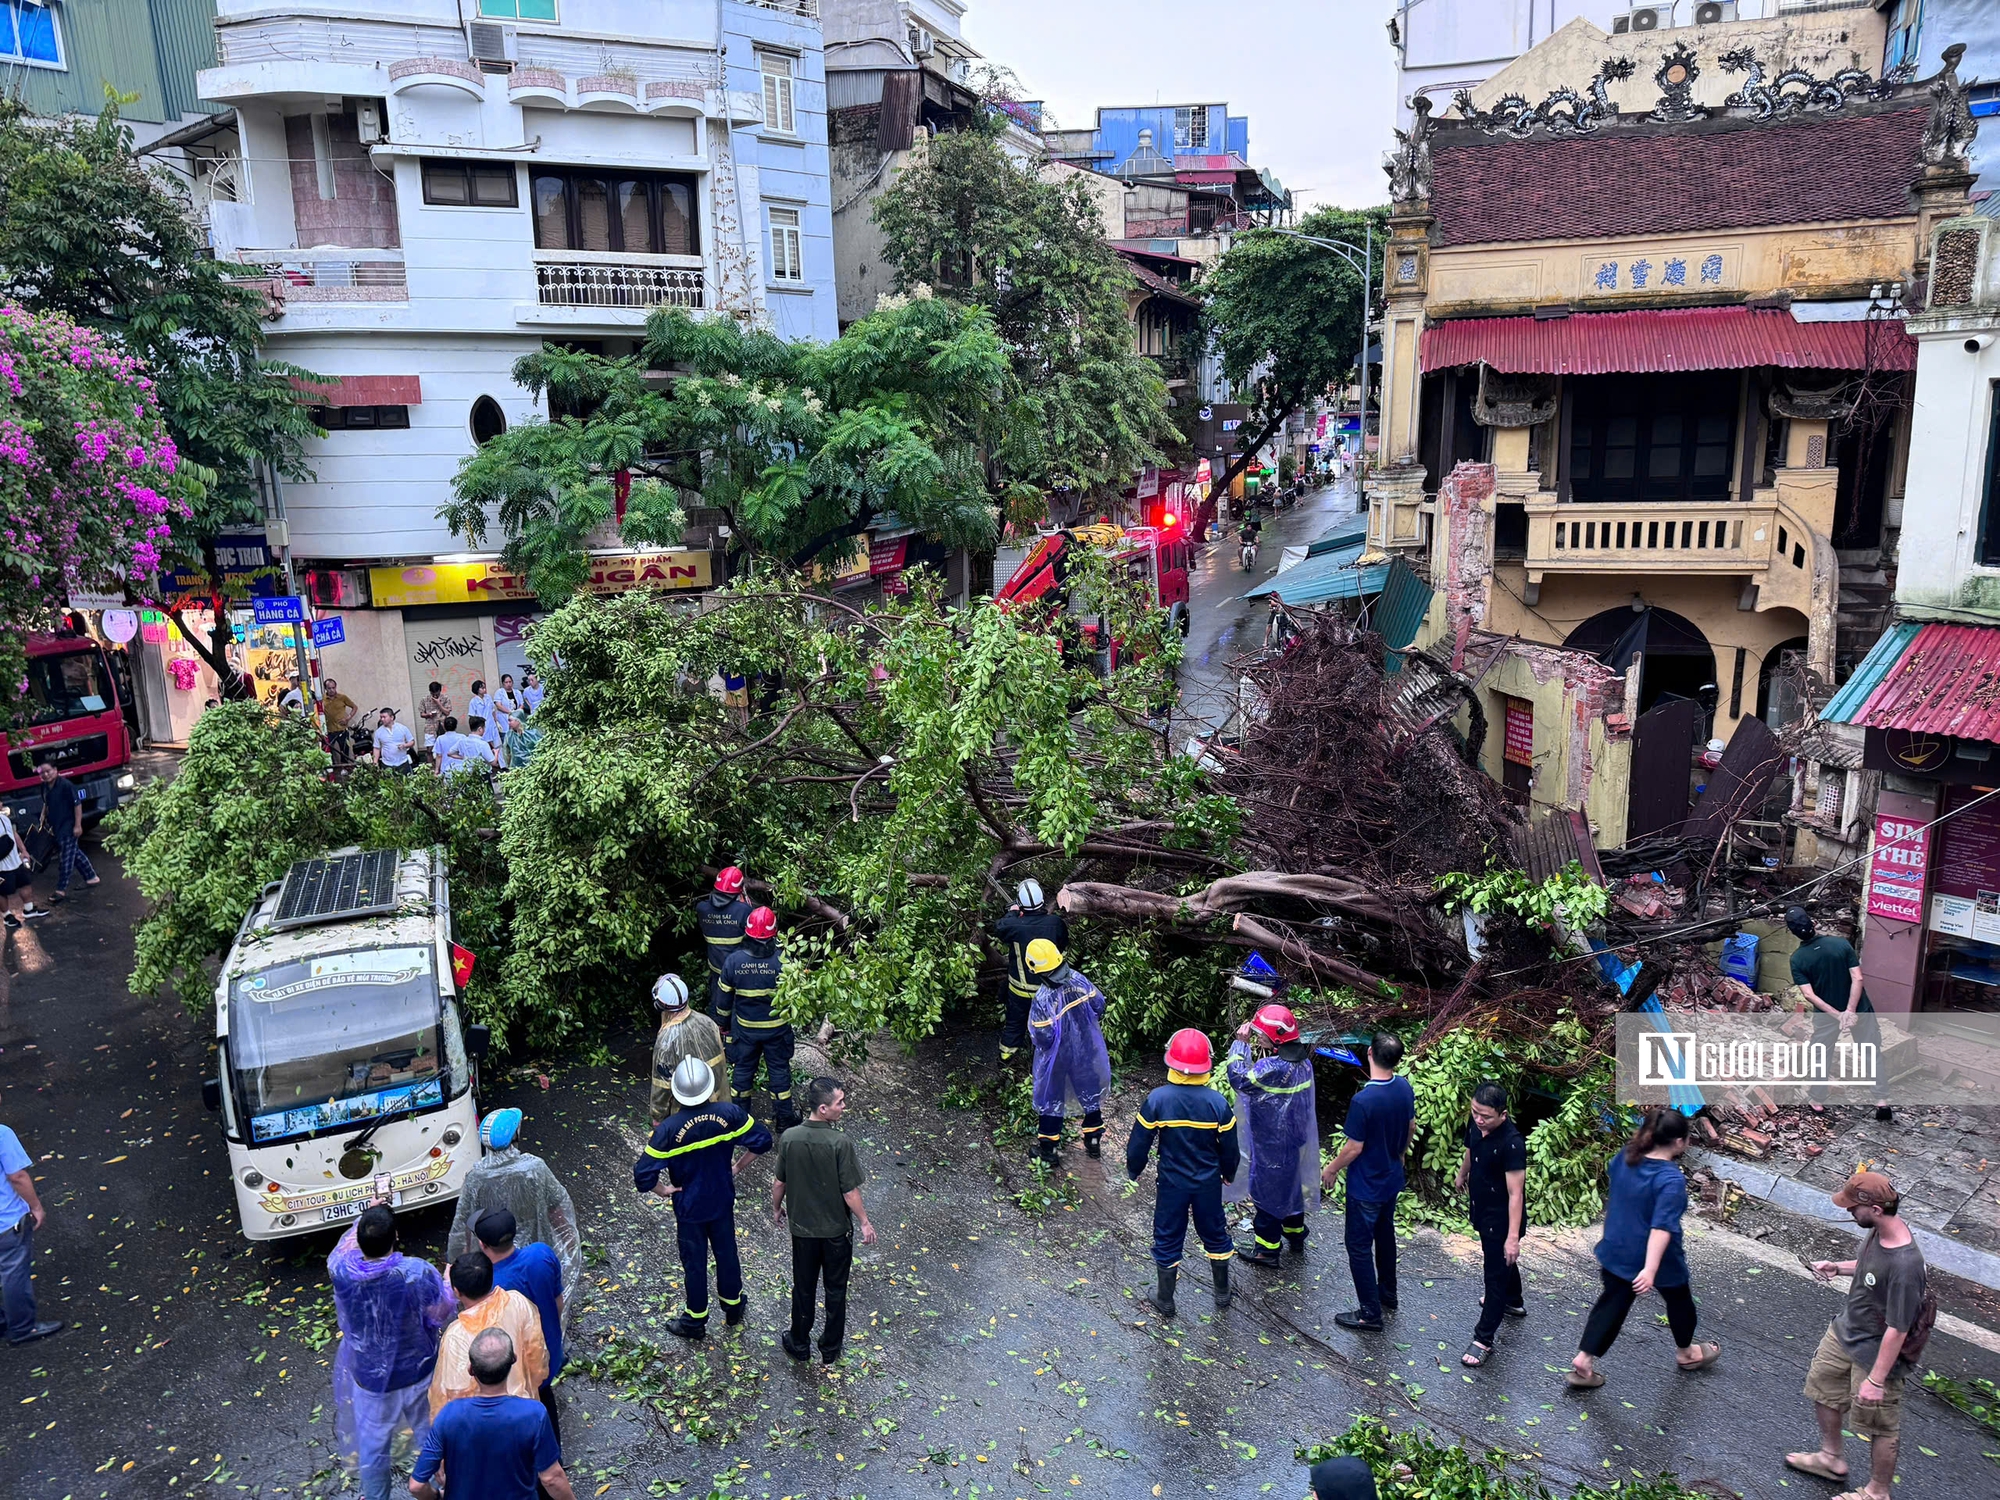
(1564, 112)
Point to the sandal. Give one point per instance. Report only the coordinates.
(1476, 1354)
(1708, 1355)
(1815, 1464)
(1578, 1381)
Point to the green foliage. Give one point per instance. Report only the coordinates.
(109, 239)
(1046, 1190)
(1413, 1465)
(251, 796)
(1976, 1396)
(1153, 990)
(1569, 897)
(1286, 317)
(1025, 242)
(802, 446)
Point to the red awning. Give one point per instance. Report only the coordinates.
(1205, 179)
(1946, 681)
(1678, 339)
(365, 390)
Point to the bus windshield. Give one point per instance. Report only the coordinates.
(334, 1040)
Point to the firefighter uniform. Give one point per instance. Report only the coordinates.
(695, 1146)
(721, 917)
(1018, 929)
(745, 1005)
(1196, 1132)
(1277, 1098)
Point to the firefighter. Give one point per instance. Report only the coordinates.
(1280, 1130)
(721, 915)
(746, 1000)
(1072, 1064)
(684, 1033)
(1198, 1154)
(1027, 919)
(692, 1147)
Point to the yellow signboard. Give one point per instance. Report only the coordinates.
(486, 582)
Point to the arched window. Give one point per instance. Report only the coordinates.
(488, 421)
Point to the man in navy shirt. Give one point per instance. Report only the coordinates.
(1381, 1122)
(534, 1272)
(492, 1446)
(62, 814)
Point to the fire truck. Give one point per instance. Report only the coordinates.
(1159, 557)
(70, 714)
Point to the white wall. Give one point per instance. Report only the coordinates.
(1950, 427)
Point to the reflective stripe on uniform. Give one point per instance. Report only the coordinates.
(1190, 1124)
(713, 1140)
(746, 1024)
(1253, 1086)
(1264, 1244)
(743, 994)
(1080, 1000)
(687, 1312)
(1225, 1255)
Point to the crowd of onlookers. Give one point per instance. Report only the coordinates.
(496, 732)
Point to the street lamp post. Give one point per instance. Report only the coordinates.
(1367, 270)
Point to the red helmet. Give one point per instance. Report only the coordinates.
(1188, 1052)
(761, 923)
(1276, 1022)
(729, 880)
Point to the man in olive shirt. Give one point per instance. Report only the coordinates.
(1856, 1378)
(818, 1178)
(1828, 974)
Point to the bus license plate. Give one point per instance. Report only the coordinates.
(334, 1212)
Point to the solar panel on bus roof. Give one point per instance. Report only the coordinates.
(342, 885)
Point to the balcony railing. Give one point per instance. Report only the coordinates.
(807, 10)
(1760, 538)
(581, 279)
(332, 275)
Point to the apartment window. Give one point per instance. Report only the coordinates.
(780, 117)
(518, 10)
(471, 184)
(360, 418)
(1989, 550)
(1191, 128)
(634, 213)
(1652, 438)
(787, 263)
(28, 34)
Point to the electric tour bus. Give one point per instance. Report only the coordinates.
(346, 1071)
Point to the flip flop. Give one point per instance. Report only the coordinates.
(1476, 1354)
(1578, 1381)
(1710, 1353)
(1816, 1465)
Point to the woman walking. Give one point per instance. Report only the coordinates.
(1641, 1248)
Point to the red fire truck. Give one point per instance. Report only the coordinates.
(71, 714)
(1159, 557)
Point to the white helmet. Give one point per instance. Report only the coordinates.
(670, 992)
(694, 1081)
(1029, 894)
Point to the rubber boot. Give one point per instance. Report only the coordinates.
(681, 1326)
(1047, 1154)
(1162, 1300)
(1093, 1144)
(1256, 1255)
(1220, 1270)
(734, 1315)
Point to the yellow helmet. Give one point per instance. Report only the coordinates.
(1044, 957)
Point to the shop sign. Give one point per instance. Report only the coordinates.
(885, 554)
(1896, 868)
(1519, 745)
(245, 562)
(445, 583)
(152, 627)
(331, 631)
(120, 625)
(681, 569)
(1965, 886)
(895, 584)
(83, 599)
(1680, 270)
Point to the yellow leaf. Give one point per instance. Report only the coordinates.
(114, 1160)
(602, 1488)
(130, 1465)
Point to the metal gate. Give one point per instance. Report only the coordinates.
(1662, 757)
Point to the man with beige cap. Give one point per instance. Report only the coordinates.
(1857, 1372)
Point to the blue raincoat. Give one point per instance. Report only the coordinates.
(1071, 1061)
(391, 1312)
(1276, 1105)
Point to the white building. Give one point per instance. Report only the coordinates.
(435, 197)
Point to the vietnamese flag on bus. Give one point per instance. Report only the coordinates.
(462, 961)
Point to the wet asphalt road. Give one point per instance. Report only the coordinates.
(991, 1353)
(1224, 625)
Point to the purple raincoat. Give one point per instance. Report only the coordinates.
(391, 1313)
(1071, 1062)
(1278, 1112)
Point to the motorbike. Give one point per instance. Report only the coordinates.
(1247, 555)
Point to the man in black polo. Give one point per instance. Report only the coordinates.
(1495, 1166)
(818, 1181)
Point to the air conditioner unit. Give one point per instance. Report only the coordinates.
(1713, 12)
(368, 121)
(922, 42)
(494, 48)
(1643, 18)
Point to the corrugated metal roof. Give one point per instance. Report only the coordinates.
(1666, 339)
(1945, 680)
(1868, 676)
(1400, 612)
(184, 39)
(1320, 580)
(1350, 531)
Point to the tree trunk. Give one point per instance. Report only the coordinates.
(1241, 462)
(214, 652)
